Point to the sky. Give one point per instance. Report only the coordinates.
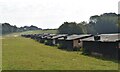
(52, 13)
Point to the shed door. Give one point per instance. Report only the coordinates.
(77, 43)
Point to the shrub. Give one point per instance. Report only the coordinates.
(59, 45)
(46, 42)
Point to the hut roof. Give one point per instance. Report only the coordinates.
(105, 37)
(48, 36)
(74, 37)
(59, 36)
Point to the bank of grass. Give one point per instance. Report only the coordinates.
(26, 54)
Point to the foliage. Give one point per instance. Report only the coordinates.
(46, 42)
(7, 28)
(105, 23)
(69, 28)
(118, 22)
(82, 26)
(59, 46)
(27, 28)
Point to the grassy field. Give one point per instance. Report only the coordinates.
(39, 31)
(20, 53)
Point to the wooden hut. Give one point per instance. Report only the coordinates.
(41, 37)
(49, 40)
(72, 42)
(106, 45)
(52, 39)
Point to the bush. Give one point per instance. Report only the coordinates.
(59, 46)
(46, 42)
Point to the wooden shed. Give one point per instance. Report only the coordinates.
(106, 45)
(41, 37)
(72, 42)
(52, 39)
(49, 40)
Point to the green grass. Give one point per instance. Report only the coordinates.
(0, 53)
(20, 53)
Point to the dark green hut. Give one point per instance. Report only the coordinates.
(72, 42)
(106, 45)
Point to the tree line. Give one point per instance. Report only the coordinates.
(98, 24)
(7, 28)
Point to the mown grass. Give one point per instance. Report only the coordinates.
(20, 53)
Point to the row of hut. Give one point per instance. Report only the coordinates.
(106, 45)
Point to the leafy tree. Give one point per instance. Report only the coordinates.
(7, 28)
(69, 28)
(105, 23)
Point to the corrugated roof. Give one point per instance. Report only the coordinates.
(59, 36)
(73, 37)
(50, 36)
(105, 37)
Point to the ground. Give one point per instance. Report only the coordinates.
(20, 53)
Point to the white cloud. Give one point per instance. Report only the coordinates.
(52, 13)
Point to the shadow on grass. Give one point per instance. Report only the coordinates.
(97, 57)
(93, 56)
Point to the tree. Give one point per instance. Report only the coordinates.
(7, 28)
(105, 23)
(83, 26)
(69, 28)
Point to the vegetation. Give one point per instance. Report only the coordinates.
(26, 54)
(105, 23)
(6, 28)
(70, 28)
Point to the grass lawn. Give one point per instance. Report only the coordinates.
(20, 53)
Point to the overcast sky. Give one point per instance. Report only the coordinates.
(52, 13)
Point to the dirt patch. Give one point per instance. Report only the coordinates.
(1, 37)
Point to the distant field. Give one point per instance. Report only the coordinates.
(39, 31)
(20, 53)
